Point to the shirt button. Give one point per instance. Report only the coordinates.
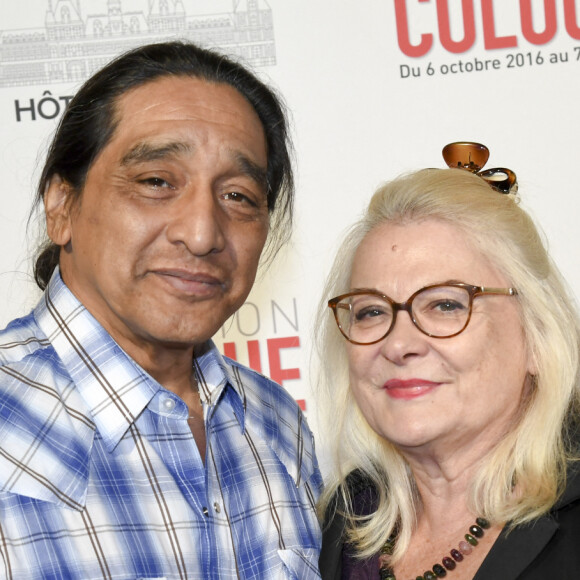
(216, 507)
(169, 404)
(205, 512)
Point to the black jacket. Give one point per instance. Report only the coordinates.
(548, 548)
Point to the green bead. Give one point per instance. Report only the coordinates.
(429, 575)
(471, 539)
(440, 572)
(482, 523)
(389, 546)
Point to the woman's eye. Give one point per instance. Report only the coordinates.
(447, 306)
(369, 312)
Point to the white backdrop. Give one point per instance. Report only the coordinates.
(364, 109)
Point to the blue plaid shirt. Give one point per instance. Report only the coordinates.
(100, 476)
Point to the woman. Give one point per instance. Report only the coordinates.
(451, 391)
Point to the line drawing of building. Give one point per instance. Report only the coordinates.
(75, 43)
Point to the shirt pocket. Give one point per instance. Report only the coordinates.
(300, 563)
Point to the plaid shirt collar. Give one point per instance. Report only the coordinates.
(115, 388)
(115, 391)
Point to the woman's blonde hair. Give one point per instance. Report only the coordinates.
(536, 451)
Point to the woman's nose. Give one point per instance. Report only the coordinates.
(404, 340)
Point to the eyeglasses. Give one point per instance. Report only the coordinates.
(439, 310)
(473, 156)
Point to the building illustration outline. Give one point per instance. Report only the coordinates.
(74, 42)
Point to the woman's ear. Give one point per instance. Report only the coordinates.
(57, 207)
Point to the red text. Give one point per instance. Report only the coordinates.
(490, 38)
(274, 346)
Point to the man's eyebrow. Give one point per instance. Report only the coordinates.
(146, 151)
(252, 170)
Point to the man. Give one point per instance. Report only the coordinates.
(129, 448)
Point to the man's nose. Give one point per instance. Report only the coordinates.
(198, 222)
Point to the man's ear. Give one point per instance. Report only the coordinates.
(57, 207)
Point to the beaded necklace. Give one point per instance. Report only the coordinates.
(464, 548)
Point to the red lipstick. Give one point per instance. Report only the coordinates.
(409, 388)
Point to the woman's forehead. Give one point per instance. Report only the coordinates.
(415, 254)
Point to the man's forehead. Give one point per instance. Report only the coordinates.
(184, 96)
(173, 116)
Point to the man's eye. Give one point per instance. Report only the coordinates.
(156, 182)
(239, 197)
